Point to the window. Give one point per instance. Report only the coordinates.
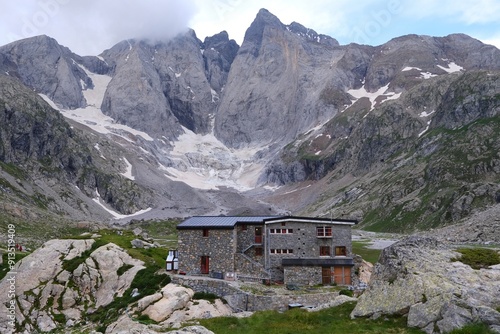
(258, 251)
(281, 251)
(324, 250)
(341, 251)
(324, 231)
(244, 227)
(205, 232)
(283, 224)
(281, 231)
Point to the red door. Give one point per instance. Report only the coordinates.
(258, 235)
(205, 264)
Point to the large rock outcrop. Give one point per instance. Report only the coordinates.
(51, 291)
(418, 277)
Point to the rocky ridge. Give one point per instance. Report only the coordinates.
(197, 124)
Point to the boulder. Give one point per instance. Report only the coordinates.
(175, 297)
(199, 309)
(417, 277)
(138, 243)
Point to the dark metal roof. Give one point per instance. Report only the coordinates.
(220, 221)
(312, 220)
(228, 222)
(313, 262)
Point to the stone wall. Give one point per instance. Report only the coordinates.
(246, 238)
(246, 266)
(303, 242)
(219, 246)
(244, 301)
(303, 275)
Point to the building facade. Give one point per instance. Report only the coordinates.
(292, 250)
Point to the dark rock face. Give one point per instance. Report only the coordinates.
(218, 54)
(159, 88)
(38, 139)
(274, 83)
(49, 68)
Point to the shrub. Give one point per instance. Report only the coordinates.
(205, 295)
(346, 292)
(71, 265)
(478, 258)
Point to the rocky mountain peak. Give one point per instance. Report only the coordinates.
(255, 33)
(48, 68)
(222, 44)
(311, 35)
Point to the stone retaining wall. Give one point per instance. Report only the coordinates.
(245, 301)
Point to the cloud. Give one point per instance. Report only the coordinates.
(90, 26)
(235, 16)
(465, 11)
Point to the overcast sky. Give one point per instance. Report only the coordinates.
(88, 27)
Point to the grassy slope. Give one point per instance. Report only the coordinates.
(332, 320)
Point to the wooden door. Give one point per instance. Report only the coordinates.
(258, 235)
(342, 275)
(205, 264)
(326, 275)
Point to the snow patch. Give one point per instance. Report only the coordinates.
(452, 67)
(425, 130)
(410, 68)
(392, 97)
(426, 114)
(427, 75)
(92, 115)
(215, 96)
(128, 172)
(101, 58)
(382, 91)
(96, 146)
(203, 162)
(115, 214)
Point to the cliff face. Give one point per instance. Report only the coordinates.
(40, 149)
(375, 132)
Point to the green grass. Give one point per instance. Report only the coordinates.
(360, 248)
(478, 258)
(71, 265)
(473, 329)
(4, 267)
(122, 238)
(332, 320)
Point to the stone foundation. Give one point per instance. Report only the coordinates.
(241, 300)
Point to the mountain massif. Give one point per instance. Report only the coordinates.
(402, 136)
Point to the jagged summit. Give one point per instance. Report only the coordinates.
(208, 124)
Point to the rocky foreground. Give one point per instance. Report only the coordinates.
(418, 277)
(60, 284)
(53, 291)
